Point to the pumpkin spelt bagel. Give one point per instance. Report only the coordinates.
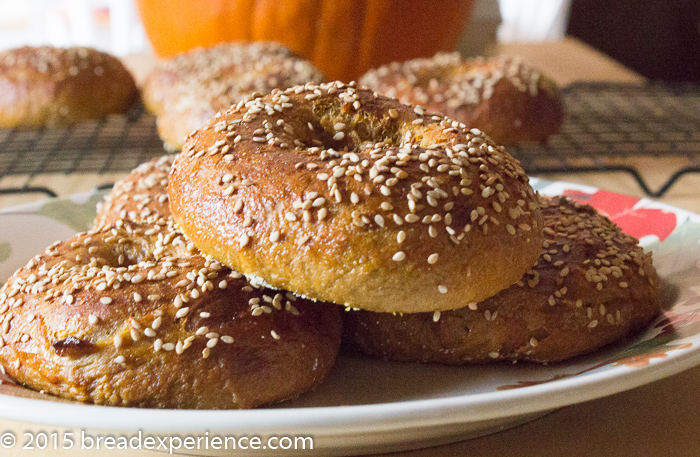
(142, 194)
(56, 86)
(503, 96)
(341, 195)
(132, 315)
(186, 91)
(593, 285)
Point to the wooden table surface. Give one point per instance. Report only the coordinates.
(658, 419)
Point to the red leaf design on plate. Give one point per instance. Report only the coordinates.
(620, 209)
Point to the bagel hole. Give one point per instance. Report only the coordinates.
(123, 254)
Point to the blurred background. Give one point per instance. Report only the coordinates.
(659, 39)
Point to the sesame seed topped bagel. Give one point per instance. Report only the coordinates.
(338, 194)
(503, 96)
(142, 194)
(60, 86)
(592, 285)
(186, 91)
(132, 315)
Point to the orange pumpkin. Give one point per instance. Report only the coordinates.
(343, 38)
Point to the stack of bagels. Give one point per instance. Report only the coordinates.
(215, 278)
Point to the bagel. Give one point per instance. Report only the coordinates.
(186, 91)
(342, 195)
(142, 194)
(592, 286)
(47, 86)
(132, 315)
(503, 96)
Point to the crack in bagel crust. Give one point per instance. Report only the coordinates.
(591, 286)
(338, 194)
(131, 314)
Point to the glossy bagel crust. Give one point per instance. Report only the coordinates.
(186, 91)
(503, 96)
(593, 285)
(60, 86)
(142, 194)
(132, 315)
(341, 195)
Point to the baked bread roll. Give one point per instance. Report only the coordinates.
(132, 315)
(142, 194)
(56, 86)
(592, 286)
(186, 91)
(503, 96)
(341, 195)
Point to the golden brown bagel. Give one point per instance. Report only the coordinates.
(505, 97)
(593, 285)
(379, 205)
(131, 315)
(187, 90)
(142, 194)
(56, 86)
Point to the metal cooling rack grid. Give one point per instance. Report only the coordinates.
(607, 126)
(111, 145)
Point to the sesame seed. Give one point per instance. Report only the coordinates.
(399, 256)
(436, 316)
(433, 258)
(105, 300)
(442, 289)
(119, 359)
(401, 236)
(274, 334)
(182, 312)
(92, 319)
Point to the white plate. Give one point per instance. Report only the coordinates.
(373, 406)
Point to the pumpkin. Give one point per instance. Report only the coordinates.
(343, 38)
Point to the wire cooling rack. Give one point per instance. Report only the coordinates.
(607, 126)
(116, 144)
